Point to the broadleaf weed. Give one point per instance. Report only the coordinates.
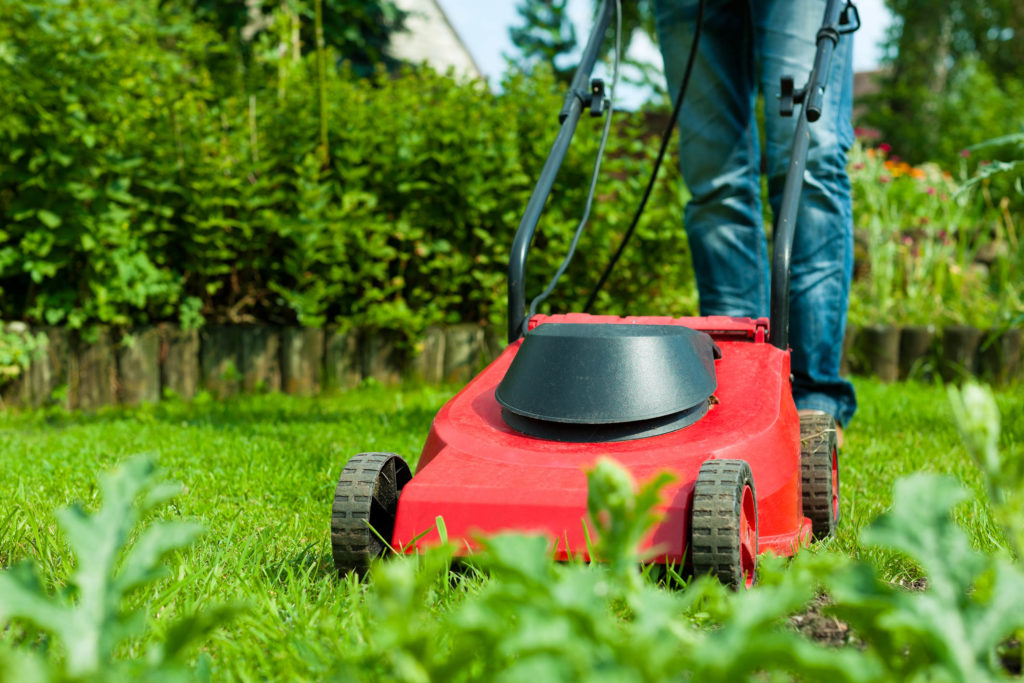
(89, 616)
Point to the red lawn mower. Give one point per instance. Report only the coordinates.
(708, 399)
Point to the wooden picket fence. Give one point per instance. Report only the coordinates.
(143, 365)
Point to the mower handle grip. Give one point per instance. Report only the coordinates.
(785, 227)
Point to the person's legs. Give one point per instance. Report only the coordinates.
(719, 152)
(822, 260)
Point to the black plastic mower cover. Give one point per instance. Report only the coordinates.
(597, 374)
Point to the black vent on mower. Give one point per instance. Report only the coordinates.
(583, 382)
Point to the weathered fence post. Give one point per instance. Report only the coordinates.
(94, 372)
(428, 364)
(179, 361)
(382, 360)
(260, 358)
(463, 352)
(138, 367)
(959, 352)
(53, 370)
(220, 359)
(302, 353)
(342, 360)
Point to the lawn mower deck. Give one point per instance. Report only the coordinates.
(750, 475)
(482, 476)
(707, 399)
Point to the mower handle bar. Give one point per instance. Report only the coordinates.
(569, 117)
(827, 38)
(785, 226)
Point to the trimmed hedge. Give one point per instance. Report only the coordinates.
(143, 181)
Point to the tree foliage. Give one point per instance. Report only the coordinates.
(158, 182)
(359, 31)
(545, 36)
(952, 77)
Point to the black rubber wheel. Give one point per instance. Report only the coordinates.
(819, 471)
(366, 496)
(724, 526)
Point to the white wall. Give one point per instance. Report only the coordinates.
(432, 39)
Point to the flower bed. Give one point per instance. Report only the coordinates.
(932, 248)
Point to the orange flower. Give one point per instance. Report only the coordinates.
(899, 168)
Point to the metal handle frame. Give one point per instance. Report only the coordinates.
(785, 227)
(575, 100)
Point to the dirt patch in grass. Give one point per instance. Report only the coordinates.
(821, 627)
(826, 629)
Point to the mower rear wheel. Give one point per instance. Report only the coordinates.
(724, 524)
(365, 505)
(819, 471)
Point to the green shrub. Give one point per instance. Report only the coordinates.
(142, 177)
(88, 147)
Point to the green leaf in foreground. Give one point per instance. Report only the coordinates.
(972, 603)
(978, 420)
(533, 619)
(95, 621)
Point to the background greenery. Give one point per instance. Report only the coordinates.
(183, 160)
(193, 161)
(158, 171)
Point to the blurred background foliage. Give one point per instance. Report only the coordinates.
(160, 162)
(952, 77)
(195, 160)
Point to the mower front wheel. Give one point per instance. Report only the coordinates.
(724, 523)
(819, 471)
(364, 510)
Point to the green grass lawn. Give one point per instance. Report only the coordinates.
(259, 474)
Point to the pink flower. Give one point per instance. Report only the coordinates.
(930, 190)
(858, 166)
(965, 153)
(885, 147)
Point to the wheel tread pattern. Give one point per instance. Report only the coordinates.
(717, 497)
(817, 443)
(367, 494)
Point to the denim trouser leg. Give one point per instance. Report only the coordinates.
(746, 45)
(720, 153)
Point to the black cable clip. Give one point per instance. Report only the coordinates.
(594, 99)
(789, 96)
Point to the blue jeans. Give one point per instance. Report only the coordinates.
(747, 45)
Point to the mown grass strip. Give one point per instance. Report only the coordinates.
(259, 474)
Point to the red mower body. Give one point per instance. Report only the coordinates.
(483, 477)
